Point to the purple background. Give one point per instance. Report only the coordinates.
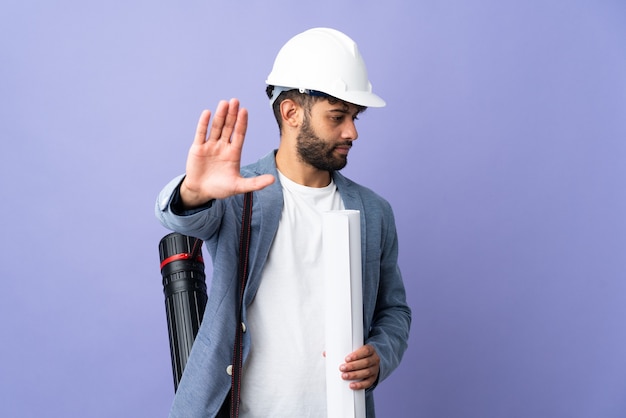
(502, 150)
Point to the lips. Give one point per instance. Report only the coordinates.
(343, 149)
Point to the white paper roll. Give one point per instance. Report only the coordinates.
(344, 308)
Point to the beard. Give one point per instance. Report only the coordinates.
(317, 152)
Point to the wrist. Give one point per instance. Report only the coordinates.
(189, 198)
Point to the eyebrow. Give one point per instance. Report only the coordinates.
(345, 111)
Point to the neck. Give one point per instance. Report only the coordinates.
(292, 166)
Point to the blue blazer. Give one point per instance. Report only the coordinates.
(386, 315)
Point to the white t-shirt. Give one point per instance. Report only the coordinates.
(284, 376)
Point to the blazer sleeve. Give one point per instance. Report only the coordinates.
(391, 322)
(200, 223)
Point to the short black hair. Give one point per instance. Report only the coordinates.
(303, 99)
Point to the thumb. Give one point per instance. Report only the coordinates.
(253, 184)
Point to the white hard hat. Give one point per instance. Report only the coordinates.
(327, 61)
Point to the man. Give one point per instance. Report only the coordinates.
(317, 88)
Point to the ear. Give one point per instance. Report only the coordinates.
(291, 113)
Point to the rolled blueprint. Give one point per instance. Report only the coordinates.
(344, 308)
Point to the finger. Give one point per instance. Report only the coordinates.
(365, 374)
(241, 127)
(361, 352)
(361, 379)
(357, 365)
(362, 358)
(231, 120)
(218, 121)
(202, 127)
(362, 384)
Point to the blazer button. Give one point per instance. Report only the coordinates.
(243, 327)
(229, 370)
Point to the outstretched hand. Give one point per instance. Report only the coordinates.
(214, 161)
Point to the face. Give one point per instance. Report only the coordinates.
(326, 135)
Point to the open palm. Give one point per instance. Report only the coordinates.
(213, 161)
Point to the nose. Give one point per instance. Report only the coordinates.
(350, 132)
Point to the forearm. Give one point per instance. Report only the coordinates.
(389, 335)
(391, 318)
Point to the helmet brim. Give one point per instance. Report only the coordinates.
(362, 98)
